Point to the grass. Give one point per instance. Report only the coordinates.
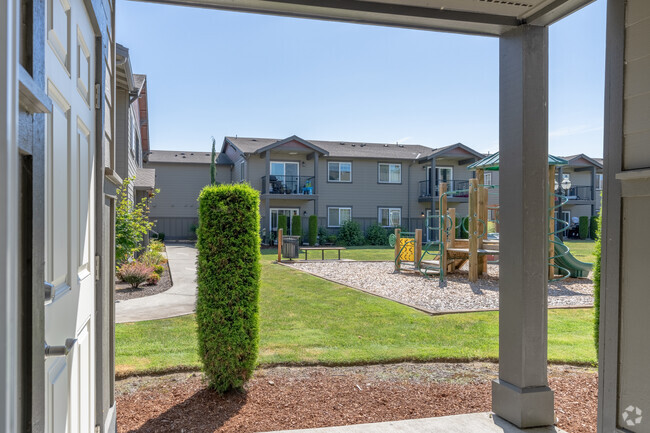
(307, 320)
(583, 250)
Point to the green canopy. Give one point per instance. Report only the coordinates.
(491, 162)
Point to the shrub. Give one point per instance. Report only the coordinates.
(134, 273)
(282, 224)
(131, 223)
(151, 258)
(161, 236)
(228, 279)
(156, 246)
(331, 239)
(322, 236)
(159, 269)
(313, 230)
(376, 235)
(584, 227)
(350, 234)
(296, 226)
(193, 229)
(593, 227)
(463, 232)
(154, 278)
(597, 253)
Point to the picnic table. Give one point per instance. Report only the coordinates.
(322, 249)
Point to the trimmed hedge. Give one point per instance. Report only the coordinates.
(313, 230)
(597, 253)
(228, 279)
(584, 227)
(282, 224)
(296, 226)
(376, 235)
(593, 227)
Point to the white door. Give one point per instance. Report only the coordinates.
(69, 202)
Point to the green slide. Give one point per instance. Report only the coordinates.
(577, 268)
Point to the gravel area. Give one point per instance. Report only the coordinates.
(123, 291)
(456, 294)
(302, 397)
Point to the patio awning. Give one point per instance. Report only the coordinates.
(491, 162)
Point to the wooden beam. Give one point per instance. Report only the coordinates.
(418, 248)
(279, 245)
(398, 262)
(473, 230)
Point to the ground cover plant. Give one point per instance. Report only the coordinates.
(228, 279)
(305, 319)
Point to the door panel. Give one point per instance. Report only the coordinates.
(70, 221)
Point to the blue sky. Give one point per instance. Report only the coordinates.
(215, 73)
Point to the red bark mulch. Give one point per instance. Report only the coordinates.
(303, 397)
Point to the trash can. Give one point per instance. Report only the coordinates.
(290, 247)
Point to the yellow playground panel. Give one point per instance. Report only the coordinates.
(407, 249)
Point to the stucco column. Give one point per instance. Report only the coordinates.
(521, 394)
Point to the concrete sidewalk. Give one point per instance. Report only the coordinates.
(177, 301)
(469, 423)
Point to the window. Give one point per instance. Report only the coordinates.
(390, 216)
(242, 171)
(286, 212)
(339, 171)
(487, 178)
(390, 173)
(336, 216)
(599, 181)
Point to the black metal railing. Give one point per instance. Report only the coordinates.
(284, 184)
(578, 192)
(452, 185)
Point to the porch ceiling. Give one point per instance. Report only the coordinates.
(485, 17)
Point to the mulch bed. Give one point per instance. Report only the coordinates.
(305, 397)
(123, 291)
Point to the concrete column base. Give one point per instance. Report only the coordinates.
(523, 407)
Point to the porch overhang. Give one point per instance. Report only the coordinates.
(479, 17)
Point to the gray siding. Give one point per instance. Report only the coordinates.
(175, 207)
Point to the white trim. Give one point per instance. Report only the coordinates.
(290, 209)
(390, 210)
(445, 167)
(388, 164)
(487, 175)
(285, 167)
(339, 209)
(339, 163)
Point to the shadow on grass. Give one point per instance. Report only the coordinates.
(204, 411)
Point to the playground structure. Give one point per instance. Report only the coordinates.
(447, 253)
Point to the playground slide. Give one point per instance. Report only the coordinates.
(577, 268)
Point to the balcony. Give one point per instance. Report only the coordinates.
(288, 185)
(452, 185)
(583, 193)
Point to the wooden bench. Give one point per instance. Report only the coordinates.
(322, 249)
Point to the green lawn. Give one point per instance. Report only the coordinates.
(305, 319)
(582, 250)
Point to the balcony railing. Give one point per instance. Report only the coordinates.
(578, 192)
(283, 184)
(452, 185)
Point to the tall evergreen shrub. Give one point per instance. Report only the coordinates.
(593, 227)
(584, 227)
(597, 253)
(296, 226)
(228, 278)
(313, 230)
(282, 224)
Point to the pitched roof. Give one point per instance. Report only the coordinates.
(138, 80)
(338, 149)
(592, 161)
(491, 162)
(145, 178)
(186, 157)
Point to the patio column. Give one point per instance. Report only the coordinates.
(432, 187)
(521, 394)
(267, 179)
(315, 183)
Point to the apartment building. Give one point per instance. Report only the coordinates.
(581, 182)
(388, 184)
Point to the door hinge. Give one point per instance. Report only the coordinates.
(98, 92)
(98, 262)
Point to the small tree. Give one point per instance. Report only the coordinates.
(228, 279)
(282, 224)
(593, 227)
(131, 223)
(584, 227)
(376, 235)
(213, 163)
(296, 226)
(313, 230)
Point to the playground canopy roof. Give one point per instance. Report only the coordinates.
(491, 162)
